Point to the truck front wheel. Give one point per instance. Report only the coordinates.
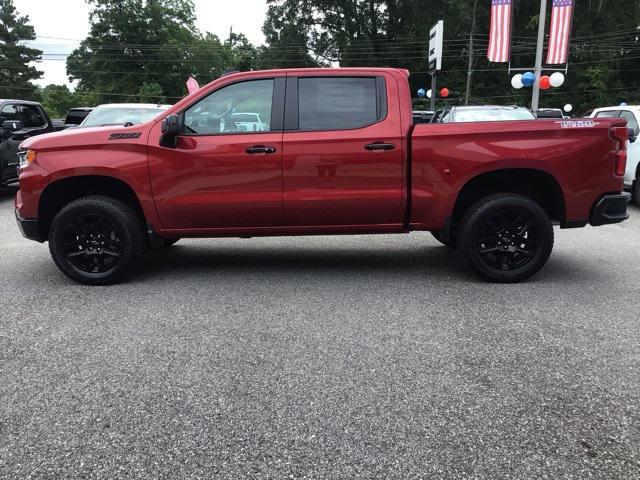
(506, 237)
(97, 240)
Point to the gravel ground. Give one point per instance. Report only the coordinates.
(322, 357)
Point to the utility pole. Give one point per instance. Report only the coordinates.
(432, 104)
(535, 98)
(470, 67)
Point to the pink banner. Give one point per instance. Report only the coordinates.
(192, 85)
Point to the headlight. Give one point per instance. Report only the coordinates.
(26, 158)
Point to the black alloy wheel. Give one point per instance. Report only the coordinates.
(92, 243)
(508, 240)
(505, 237)
(97, 240)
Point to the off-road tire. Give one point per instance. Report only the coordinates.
(528, 251)
(125, 222)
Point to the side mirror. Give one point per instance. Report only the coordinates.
(633, 134)
(11, 125)
(171, 127)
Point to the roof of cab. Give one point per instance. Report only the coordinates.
(12, 100)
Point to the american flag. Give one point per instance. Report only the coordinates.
(561, 16)
(500, 33)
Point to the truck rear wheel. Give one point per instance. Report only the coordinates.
(506, 237)
(97, 240)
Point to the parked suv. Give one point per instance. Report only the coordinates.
(631, 113)
(19, 120)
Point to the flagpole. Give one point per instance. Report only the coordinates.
(535, 97)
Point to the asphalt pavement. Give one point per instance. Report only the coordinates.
(322, 357)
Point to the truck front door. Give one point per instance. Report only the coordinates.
(343, 161)
(223, 174)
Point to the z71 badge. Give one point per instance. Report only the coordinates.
(124, 136)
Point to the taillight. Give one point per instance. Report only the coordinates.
(621, 135)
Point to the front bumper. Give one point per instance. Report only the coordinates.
(611, 208)
(30, 228)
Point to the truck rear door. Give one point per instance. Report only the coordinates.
(342, 151)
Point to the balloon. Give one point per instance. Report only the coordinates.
(421, 93)
(568, 107)
(444, 93)
(429, 93)
(545, 82)
(556, 79)
(528, 79)
(516, 82)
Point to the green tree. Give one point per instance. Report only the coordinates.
(286, 31)
(58, 99)
(243, 52)
(151, 93)
(16, 71)
(132, 42)
(209, 58)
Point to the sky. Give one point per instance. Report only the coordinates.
(61, 24)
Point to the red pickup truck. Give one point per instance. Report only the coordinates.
(317, 151)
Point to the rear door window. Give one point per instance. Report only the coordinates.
(338, 103)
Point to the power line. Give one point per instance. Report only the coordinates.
(90, 92)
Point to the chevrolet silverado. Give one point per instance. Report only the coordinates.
(338, 153)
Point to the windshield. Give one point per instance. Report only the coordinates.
(120, 116)
(491, 115)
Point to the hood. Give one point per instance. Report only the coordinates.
(80, 137)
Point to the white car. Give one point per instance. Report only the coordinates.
(632, 114)
(122, 113)
(249, 122)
